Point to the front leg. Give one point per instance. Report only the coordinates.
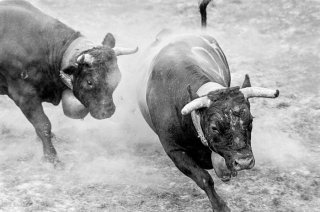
(203, 179)
(32, 108)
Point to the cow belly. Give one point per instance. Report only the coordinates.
(3, 86)
(142, 101)
(142, 87)
(146, 115)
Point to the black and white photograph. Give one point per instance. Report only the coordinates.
(159, 106)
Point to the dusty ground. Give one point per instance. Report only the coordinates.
(119, 165)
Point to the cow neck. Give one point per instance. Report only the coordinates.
(196, 119)
(77, 46)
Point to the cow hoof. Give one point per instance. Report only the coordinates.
(223, 209)
(225, 179)
(57, 164)
(226, 209)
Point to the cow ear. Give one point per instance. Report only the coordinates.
(70, 70)
(246, 83)
(67, 76)
(109, 41)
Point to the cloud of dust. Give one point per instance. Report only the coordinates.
(109, 151)
(278, 148)
(274, 143)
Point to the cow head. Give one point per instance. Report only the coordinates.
(226, 122)
(95, 75)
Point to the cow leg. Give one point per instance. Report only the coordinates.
(203, 179)
(42, 125)
(33, 110)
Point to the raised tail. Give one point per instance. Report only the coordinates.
(203, 11)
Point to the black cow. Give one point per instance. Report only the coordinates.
(189, 74)
(43, 60)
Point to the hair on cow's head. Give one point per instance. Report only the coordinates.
(227, 124)
(96, 78)
(226, 121)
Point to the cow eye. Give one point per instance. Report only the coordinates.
(214, 129)
(89, 82)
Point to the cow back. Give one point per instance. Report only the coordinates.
(33, 42)
(201, 51)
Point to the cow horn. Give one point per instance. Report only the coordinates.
(123, 51)
(66, 79)
(85, 58)
(198, 103)
(251, 92)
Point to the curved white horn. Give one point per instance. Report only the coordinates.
(198, 103)
(66, 79)
(80, 59)
(123, 51)
(251, 92)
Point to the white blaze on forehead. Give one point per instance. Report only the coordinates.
(89, 59)
(233, 120)
(237, 140)
(219, 116)
(236, 108)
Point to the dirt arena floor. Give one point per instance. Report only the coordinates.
(118, 164)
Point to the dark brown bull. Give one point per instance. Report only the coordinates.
(43, 60)
(202, 122)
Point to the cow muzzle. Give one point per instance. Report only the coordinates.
(106, 111)
(241, 163)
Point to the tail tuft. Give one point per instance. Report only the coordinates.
(203, 11)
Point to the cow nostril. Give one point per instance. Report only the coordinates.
(251, 164)
(109, 106)
(236, 165)
(246, 163)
